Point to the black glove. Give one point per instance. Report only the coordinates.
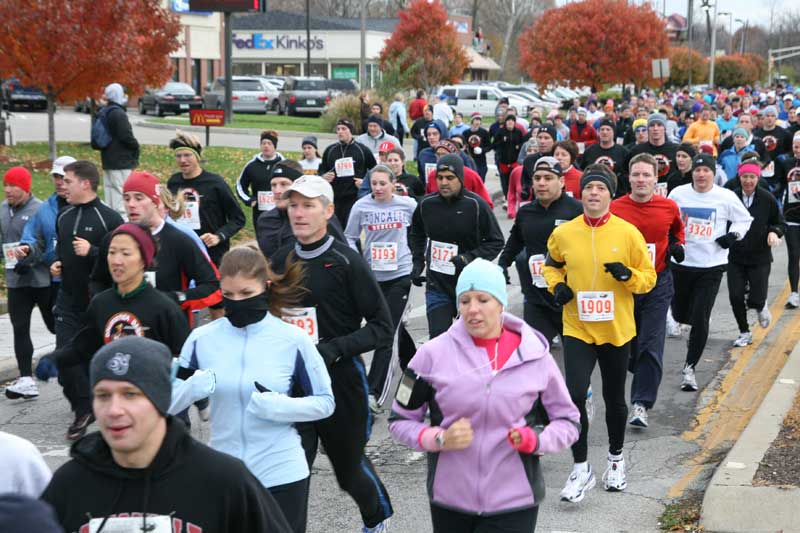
(329, 353)
(562, 293)
(459, 261)
(505, 275)
(416, 276)
(728, 239)
(618, 270)
(677, 252)
(20, 269)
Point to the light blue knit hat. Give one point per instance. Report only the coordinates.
(482, 275)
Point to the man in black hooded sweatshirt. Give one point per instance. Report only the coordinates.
(143, 468)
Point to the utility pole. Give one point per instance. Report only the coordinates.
(713, 48)
(308, 38)
(362, 66)
(228, 69)
(689, 21)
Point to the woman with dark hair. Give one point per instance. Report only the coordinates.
(567, 152)
(258, 395)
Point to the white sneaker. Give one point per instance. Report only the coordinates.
(578, 483)
(383, 527)
(639, 418)
(614, 478)
(744, 339)
(689, 382)
(556, 341)
(24, 387)
(673, 328)
(764, 317)
(374, 406)
(794, 301)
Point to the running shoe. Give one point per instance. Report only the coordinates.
(578, 483)
(639, 418)
(673, 328)
(614, 479)
(24, 387)
(794, 301)
(383, 527)
(764, 317)
(374, 406)
(556, 341)
(689, 382)
(744, 339)
(78, 427)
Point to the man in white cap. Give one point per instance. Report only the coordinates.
(342, 293)
(112, 134)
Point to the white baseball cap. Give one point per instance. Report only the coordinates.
(60, 163)
(310, 187)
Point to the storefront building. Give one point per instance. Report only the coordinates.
(200, 57)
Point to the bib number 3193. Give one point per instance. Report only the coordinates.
(384, 256)
(595, 306)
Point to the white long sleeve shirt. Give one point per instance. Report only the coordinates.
(706, 217)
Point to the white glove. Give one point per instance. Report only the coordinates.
(203, 383)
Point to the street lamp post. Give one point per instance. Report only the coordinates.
(744, 34)
(730, 26)
(713, 45)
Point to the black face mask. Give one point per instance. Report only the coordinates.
(242, 313)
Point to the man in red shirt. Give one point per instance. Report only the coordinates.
(417, 106)
(659, 221)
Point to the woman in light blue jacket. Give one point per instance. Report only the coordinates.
(397, 116)
(262, 375)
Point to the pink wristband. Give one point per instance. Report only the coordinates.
(427, 439)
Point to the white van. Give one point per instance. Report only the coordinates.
(467, 99)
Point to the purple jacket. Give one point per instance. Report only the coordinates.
(489, 476)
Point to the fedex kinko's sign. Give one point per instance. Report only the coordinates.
(260, 41)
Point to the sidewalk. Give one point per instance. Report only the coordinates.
(731, 502)
(43, 342)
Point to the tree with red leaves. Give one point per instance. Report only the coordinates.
(592, 43)
(72, 49)
(424, 29)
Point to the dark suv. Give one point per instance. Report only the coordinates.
(15, 95)
(304, 95)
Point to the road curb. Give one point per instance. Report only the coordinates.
(233, 131)
(731, 502)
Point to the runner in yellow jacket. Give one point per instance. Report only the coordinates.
(595, 263)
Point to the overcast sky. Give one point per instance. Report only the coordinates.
(753, 10)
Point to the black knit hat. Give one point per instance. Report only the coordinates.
(453, 163)
(137, 360)
(600, 173)
(283, 170)
(344, 121)
(704, 160)
(550, 130)
(606, 122)
(688, 149)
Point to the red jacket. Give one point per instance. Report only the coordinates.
(587, 136)
(472, 182)
(416, 108)
(514, 191)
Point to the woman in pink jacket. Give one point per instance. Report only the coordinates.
(497, 402)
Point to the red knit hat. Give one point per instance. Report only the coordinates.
(19, 177)
(145, 183)
(143, 237)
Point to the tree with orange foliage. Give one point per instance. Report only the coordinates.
(679, 62)
(735, 70)
(72, 49)
(592, 43)
(424, 29)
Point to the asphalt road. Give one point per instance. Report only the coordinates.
(657, 458)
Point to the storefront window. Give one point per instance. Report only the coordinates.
(196, 65)
(319, 69)
(176, 69)
(247, 69)
(344, 71)
(289, 69)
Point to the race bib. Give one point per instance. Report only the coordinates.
(794, 191)
(651, 251)
(661, 189)
(581, 147)
(535, 265)
(133, 524)
(150, 277)
(304, 318)
(384, 256)
(595, 306)
(429, 167)
(191, 214)
(441, 254)
(344, 167)
(8, 253)
(769, 170)
(266, 201)
(620, 140)
(699, 229)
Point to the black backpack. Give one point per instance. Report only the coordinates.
(101, 137)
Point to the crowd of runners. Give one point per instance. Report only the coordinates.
(625, 216)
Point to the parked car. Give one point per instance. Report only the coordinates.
(340, 87)
(277, 81)
(249, 94)
(272, 91)
(85, 106)
(304, 95)
(469, 98)
(535, 99)
(174, 97)
(15, 95)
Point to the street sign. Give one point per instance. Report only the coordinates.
(224, 5)
(207, 117)
(661, 68)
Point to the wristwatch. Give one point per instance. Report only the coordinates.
(439, 438)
